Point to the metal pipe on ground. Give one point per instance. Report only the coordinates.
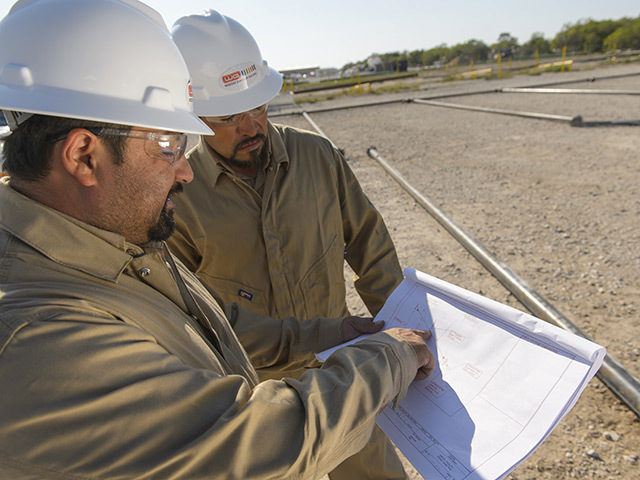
(368, 104)
(543, 116)
(578, 91)
(458, 94)
(576, 121)
(317, 129)
(541, 85)
(331, 109)
(605, 123)
(619, 380)
(588, 79)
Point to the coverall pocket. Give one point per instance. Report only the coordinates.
(246, 296)
(323, 286)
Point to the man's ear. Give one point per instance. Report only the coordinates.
(79, 153)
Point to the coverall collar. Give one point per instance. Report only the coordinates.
(276, 154)
(73, 243)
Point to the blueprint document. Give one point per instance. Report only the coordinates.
(503, 381)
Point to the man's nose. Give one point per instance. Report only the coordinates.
(183, 171)
(247, 125)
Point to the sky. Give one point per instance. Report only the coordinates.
(332, 33)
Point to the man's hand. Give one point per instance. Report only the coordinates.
(353, 327)
(417, 338)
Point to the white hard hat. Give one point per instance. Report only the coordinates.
(227, 70)
(103, 60)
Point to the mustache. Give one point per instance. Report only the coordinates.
(176, 189)
(257, 136)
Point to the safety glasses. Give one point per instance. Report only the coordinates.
(236, 119)
(165, 146)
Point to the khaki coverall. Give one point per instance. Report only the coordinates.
(282, 252)
(115, 362)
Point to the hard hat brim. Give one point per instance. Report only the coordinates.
(44, 100)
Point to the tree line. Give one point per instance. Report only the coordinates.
(585, 36)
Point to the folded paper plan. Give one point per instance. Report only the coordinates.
(504, 379)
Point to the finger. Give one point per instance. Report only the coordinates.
(429, 366)
(426, 370)
(423, 372)
(425, 334)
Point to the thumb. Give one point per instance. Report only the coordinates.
(369, 326)
(353, 327)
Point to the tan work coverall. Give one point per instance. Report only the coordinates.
(115, 362)
(282, 252)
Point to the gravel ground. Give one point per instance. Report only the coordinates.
(558, 204)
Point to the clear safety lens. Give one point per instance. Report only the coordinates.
(165, 146)
(232, 120)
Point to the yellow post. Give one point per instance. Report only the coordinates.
(499, 65)
(284, 85)
(473, 73)
(291, 84)
(564, 56)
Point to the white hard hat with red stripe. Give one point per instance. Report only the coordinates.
(227, 70)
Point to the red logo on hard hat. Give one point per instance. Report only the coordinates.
(239, 76)
(190, 91)
(231, 77)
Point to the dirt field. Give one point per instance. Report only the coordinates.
(559, 205)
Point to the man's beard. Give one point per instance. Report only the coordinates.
(166, 224)
(257, 156)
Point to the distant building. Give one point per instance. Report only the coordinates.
(299, 73)
(374, 64)
(327, 72)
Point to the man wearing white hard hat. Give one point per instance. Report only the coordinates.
(274, 212)
(115, 361)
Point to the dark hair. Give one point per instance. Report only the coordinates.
(27, 150)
